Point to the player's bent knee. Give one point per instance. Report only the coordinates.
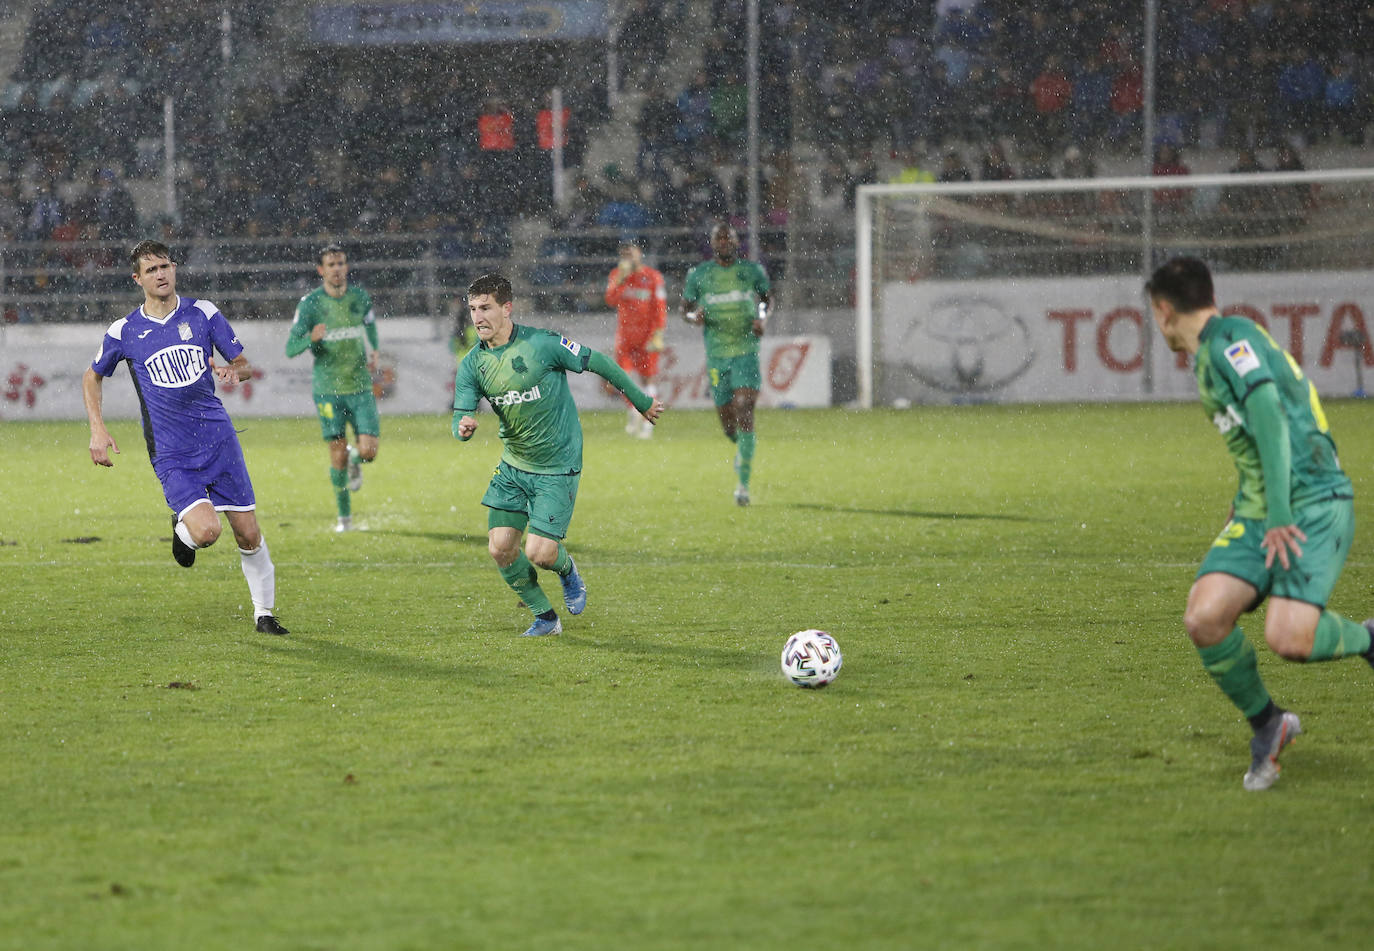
(1205, 627)
(1288, 644)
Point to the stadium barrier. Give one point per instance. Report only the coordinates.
(42, 367)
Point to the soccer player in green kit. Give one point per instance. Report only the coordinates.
(335, 322)
(522, 373)
(1292, 520)
(728, 298)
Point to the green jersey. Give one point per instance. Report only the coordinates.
(729, 303)
(526, 383)
(1235, 357)
(341, 357)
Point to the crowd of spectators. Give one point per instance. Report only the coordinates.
(1231, 73)
(417, 140)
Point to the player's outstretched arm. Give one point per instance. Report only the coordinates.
(464, 424)
(606, 368)
(92, 393)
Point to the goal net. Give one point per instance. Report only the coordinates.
(1032, 290)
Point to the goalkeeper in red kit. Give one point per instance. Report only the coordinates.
(638, 294)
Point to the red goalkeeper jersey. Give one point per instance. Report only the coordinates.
(641, 304)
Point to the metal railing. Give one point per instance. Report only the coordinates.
(413, 273)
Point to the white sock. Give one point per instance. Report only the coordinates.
(262, 578)
(184, 534)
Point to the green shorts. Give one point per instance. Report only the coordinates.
(544, 501)
(1330, 529)
(338, 411)
(728, 374)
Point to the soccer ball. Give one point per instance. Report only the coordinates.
(811, 658)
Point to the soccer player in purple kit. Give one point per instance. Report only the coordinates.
(168, 344)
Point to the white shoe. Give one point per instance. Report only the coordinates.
(345, 525)
(1265, 747)
(646, 430)
(355, 470)
(632, 427)
(741, 496)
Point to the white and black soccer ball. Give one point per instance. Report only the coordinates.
(811, 658)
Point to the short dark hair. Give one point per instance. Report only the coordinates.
(148, 249)
(1184, 282)
(495, 285)
(329, 249)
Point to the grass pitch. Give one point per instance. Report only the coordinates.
(1022, 750)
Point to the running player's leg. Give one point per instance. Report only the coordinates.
(195, 524)
(1233, 580)
(1215, 604)
(334, 429)
(503, 543)
(551, 511)
(367, 447)
(1298, 631)
(231, 491)
(200, 522)
(258, 569)
(743, 401)
(367, 427)
(338, 481)
(722, 394)
(508, 499)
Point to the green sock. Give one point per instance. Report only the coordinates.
(521, 577)
(1233, 665)
(1338, 637)
(563, 563)
(746, 457)
(338, 478)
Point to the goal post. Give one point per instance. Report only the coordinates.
(1031, 290)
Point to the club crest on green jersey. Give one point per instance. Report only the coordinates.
(518, 365)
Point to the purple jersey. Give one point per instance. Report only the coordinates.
(169, 359)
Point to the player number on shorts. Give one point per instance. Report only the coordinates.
(1232, 532)
(325, 409)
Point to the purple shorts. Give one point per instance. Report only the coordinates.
(220, 475)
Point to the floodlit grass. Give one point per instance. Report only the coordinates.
(1022, 750)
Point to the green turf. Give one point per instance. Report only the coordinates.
(1022, 750)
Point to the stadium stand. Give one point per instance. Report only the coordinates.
(440, 164)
